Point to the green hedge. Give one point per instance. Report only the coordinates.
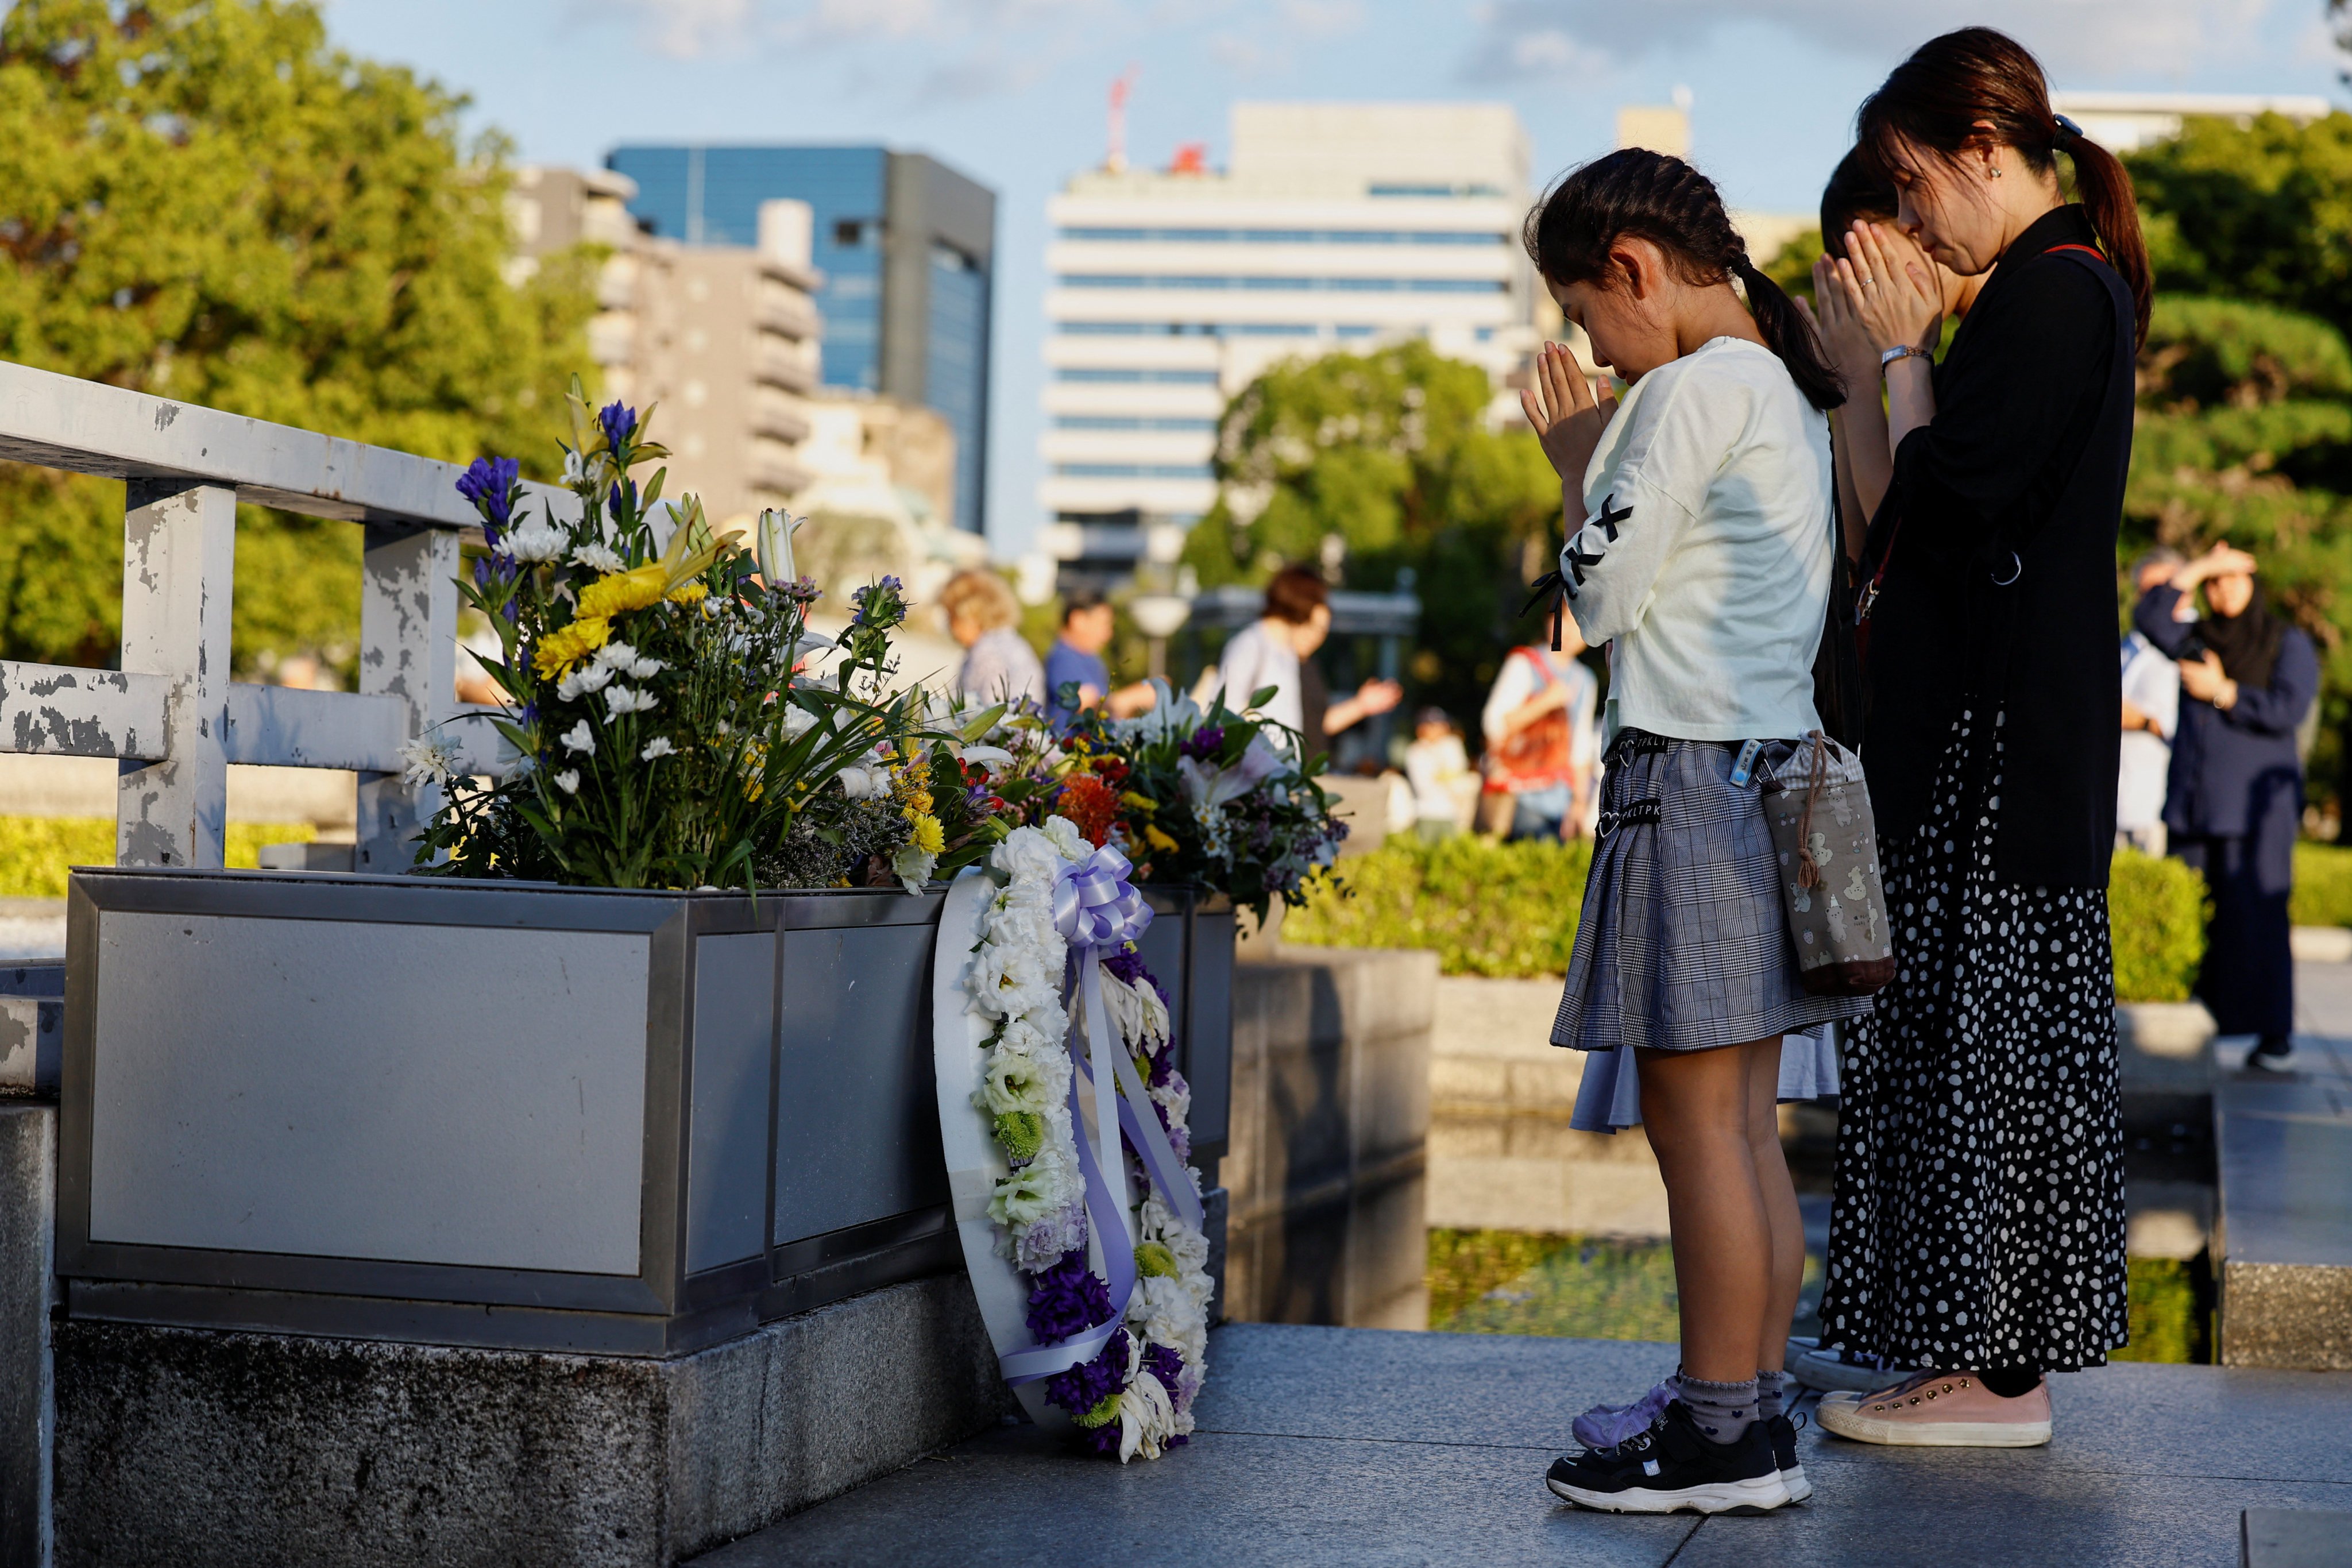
(1488, 908)
(1509, 911)
(2323, 884)
(36, 852)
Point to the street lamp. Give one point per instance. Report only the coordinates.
(1159, 616)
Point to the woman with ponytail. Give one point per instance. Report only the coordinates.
(1699, 549)
(1978, 1230)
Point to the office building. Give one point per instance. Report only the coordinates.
(905, 249)
(725, 338)
(1337, 226)
(2121, 122)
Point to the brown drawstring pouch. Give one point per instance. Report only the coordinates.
(1818, 806)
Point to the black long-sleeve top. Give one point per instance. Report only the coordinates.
(2231, 767)
(1998, 540)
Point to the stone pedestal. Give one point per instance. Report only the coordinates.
(28, 1203)
(187, 1447)
(1326, 1164)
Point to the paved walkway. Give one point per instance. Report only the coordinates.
(1361, 1447)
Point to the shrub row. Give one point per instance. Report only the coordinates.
(1509, 911)
(36, 852)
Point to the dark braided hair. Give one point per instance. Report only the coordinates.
(1652, 196)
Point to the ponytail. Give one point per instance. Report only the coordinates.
(1654, 196)
(1788, 332)
(2105, 187)
(1956, 91)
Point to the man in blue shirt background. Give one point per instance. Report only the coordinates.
(1076, 660)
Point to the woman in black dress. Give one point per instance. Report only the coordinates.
(2234, 800)
(1977, 1229)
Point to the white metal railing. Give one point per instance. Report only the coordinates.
(171, 714)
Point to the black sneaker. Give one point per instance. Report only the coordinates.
(1673, 1469)
(1782, 1430)
(2275, 1056)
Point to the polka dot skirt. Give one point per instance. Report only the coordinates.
(1979, 1220)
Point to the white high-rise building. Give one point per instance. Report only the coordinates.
(1337, 226)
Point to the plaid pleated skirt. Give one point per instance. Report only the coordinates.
(1683, 945)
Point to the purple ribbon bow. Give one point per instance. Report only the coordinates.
(1096, 907)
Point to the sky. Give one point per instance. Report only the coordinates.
(1013, 91)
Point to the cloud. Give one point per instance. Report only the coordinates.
(1322, 18)
(2076, 39)
(965, 39)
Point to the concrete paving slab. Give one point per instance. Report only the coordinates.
(1362, 1446)
(2282, 1538)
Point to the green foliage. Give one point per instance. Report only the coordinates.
(2172, 1312)
(1793, 268)
(1488, 908)
(208, 202)
(2228, 352)
(1571, 1287)
(2157, 910)
(1509, 911)
(1390, 455)
(2323, 886)
(2259, 213)
(36, 852)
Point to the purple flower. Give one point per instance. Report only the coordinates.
(1066, 1300)
(1087, 1385)
(617, 421)
(488, 484)
(612, 502)
(1204, 742)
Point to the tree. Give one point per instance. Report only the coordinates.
(1389, 457)
(205, 200)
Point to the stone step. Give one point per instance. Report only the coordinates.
(2282, 1147)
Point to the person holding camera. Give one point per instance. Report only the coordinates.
(2234, 799)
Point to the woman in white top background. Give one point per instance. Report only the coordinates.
(1272, 651)
(1698, 517)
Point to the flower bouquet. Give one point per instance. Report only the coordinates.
(662, 736)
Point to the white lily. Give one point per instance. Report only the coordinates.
(771, 544)
(994, 758)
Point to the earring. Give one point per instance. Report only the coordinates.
(1996, 174)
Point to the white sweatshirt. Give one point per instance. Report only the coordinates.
(1705, 559)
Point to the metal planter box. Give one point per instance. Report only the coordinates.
(515, 1115)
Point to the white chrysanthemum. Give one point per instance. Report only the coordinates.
(568, 781)
(578, 739)
(534, 540)
(621, 659)
(623, 699)
(1165, 1312)
(1067, 841)
(867, 781)
(427, 761)
(912, 866)
(585, 681)
(597, 556)
(658, 746)
(1028, 856)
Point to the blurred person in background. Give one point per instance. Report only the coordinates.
(1541, 742)
(982, 615)
(1438, 768)
(1278, 649)
(2247, 677)
(2151, 685)
(1076, 659)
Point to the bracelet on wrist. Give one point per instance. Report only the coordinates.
(1901, 351)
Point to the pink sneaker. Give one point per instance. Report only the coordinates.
(1941, 1410)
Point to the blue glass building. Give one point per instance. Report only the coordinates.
(906, 246)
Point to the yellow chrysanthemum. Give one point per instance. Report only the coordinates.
(559, 651)
(618, 592)
(919, 803)
(1157, 839)
(928, 837)
(1139, 802)
(691, 594)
